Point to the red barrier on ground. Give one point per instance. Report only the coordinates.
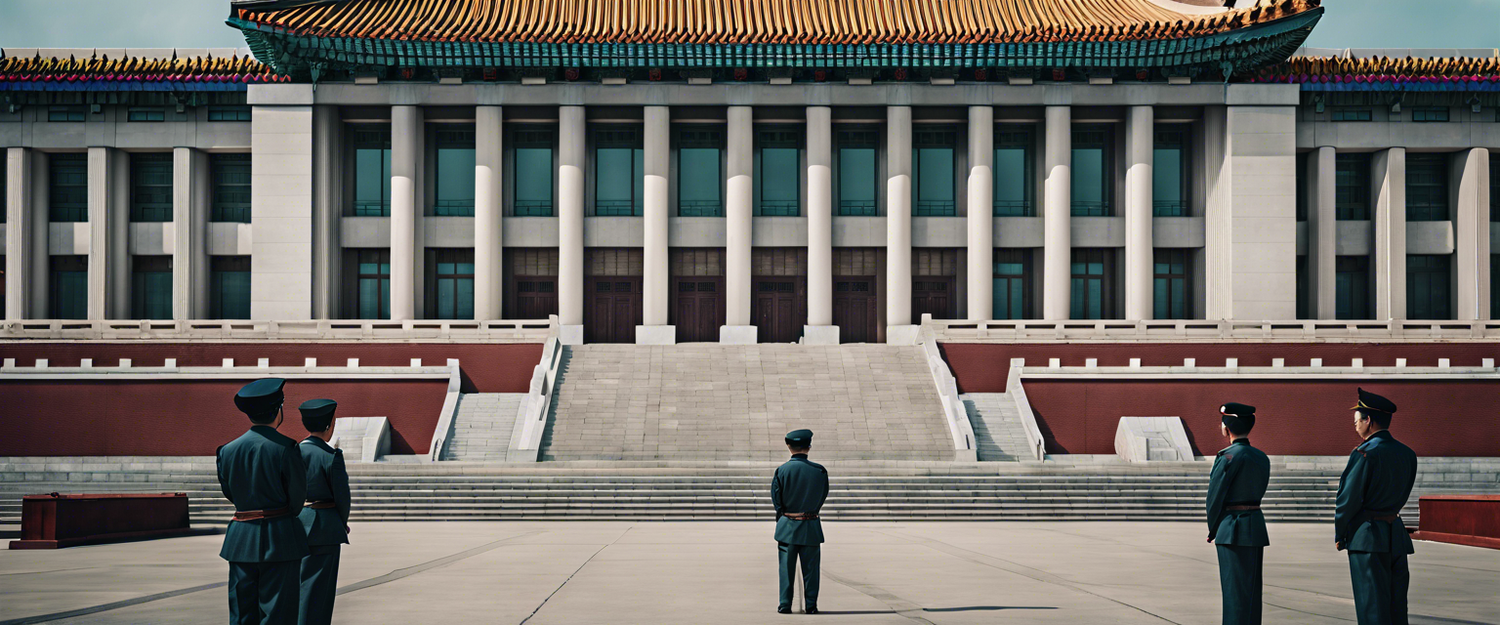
(56, 521)
(192, 417)
(1472, 520)
(1312, 417)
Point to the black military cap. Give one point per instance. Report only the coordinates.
(1371, 401)
(799, 438)
(1235, 411)
(317, 414)
(260, 397)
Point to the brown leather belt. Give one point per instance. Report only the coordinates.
(1241, 508)
(321, 504)
(801, 516)
(256, 515)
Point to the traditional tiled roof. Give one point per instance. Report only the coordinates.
(100, 73)
(1322, 73)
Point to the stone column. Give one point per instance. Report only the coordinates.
(738, 214)
(1472, 228)
(281, 207)
(40, 263)
(189, 234)
(571, 131)
(1139, 251)
(18, 241)
(1057, 211)
(1389, 181)
(406, 162)
(328, 183)
(489, 211)
(820, 329)
(981, 219)
(108, 260)
(657, 141)
(1322, 232)
(898, 188)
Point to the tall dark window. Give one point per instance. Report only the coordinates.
(778, 171)
(1428, 287)
(68, 287)
(1494, 286)
(1173, 288)
(1351, 190)
(452, 279)
(454, 195)
(229, 287)
(533, 170)
(151, 287)
(372, 171)
(1015, 182)
(1093, 170)
(67, 187)
(1012, 296)
(1426, 187)
(372, 284)
(1169, 172)
(619, 170)
(857, 148)
(1093, 294)
(1301, 191)
(151, 187)
(1304, 288)
(699, 178)
(932, 171)
(1352, 288)
(1495, 190)
(231, 174)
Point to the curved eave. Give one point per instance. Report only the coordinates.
(1237, 51)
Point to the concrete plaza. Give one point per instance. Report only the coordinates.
(725, 572)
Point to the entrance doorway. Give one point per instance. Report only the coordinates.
(698, 308)
(932, 295)
(613, 310)
(854, 302)
(779, 309)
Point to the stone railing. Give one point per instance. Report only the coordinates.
(531, 417)
(1231, 370)
(1036, 444)
(438, 330)
(230, 369)
(954, 413)
(1189, 330)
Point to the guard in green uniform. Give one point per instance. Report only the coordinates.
(1236, 526)
(326, 517)
(1367, 521)
(798, 491)
(262, 474)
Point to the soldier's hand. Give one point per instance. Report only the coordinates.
(1338, 545)
(1210, 539)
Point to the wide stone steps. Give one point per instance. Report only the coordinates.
(999, 435)
(482, 426)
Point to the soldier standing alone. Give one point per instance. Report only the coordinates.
(326, 517)
(798, 491)
(1236, 526)
(262, 474)
(1367, 521)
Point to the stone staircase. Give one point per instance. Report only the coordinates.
(705, 402)
(482, 426)
(998, 432)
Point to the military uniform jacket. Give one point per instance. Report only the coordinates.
(1240, 475)
(326, 480)
(262, 470)
(799, 486)
(1377, 482)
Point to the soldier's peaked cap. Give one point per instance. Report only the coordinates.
(1371, 401)
(317, 408)
(800, 438)
(1235, 411)
(261, 396)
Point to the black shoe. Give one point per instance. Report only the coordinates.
(783, 609)
(812, 609)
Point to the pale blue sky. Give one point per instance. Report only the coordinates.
(200, 24)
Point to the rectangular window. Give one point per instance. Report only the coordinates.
(1169, 173)
(151, 287)
(372, 171)
(229, 113)
(1012, 288)
(65, 114)
(1494, 286)
(619, 170)
(452, 281)
(1429, 114)
(151, 187)
(1093, 170)
(1495, 193)
(1351, 115)
(1352, 288)
(68, 287)
(1304, 308)
(1173, 288)
(857, 148)
(1428, 287)
(372, 284)
(1301, 199)
(147, 115)
(1426, 187)
(1093, 284)
(67, 188)
(778, 171)
(455, 173)
(698, 171)
(229, 287)
(231, 175)
(1351, 191)
(532, 171)
(1015, 182)
(932, 171)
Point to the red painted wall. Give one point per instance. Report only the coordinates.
(1436, 418)
(191, 417)
(487, 368)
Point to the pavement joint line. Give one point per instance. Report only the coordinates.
(896, 604)
(105, 607)
(559, 588)
(430, 564)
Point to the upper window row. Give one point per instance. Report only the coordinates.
(150, 189)
(1364, 114)
(78, 113)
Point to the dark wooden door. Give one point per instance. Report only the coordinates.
(698, 308)
(932, 295)
(854, 309)
(533, 297)
(780, 309)
(614, 309)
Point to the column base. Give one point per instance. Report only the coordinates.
(739, 335)
(820, 335)
(656, 335)
(902, 335)
(570, 335)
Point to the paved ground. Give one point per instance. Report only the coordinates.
(720, 572)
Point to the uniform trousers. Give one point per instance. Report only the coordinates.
(263, 593)
(1240, 581)
(810, 555)
(1380, 583)
(320, 577)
